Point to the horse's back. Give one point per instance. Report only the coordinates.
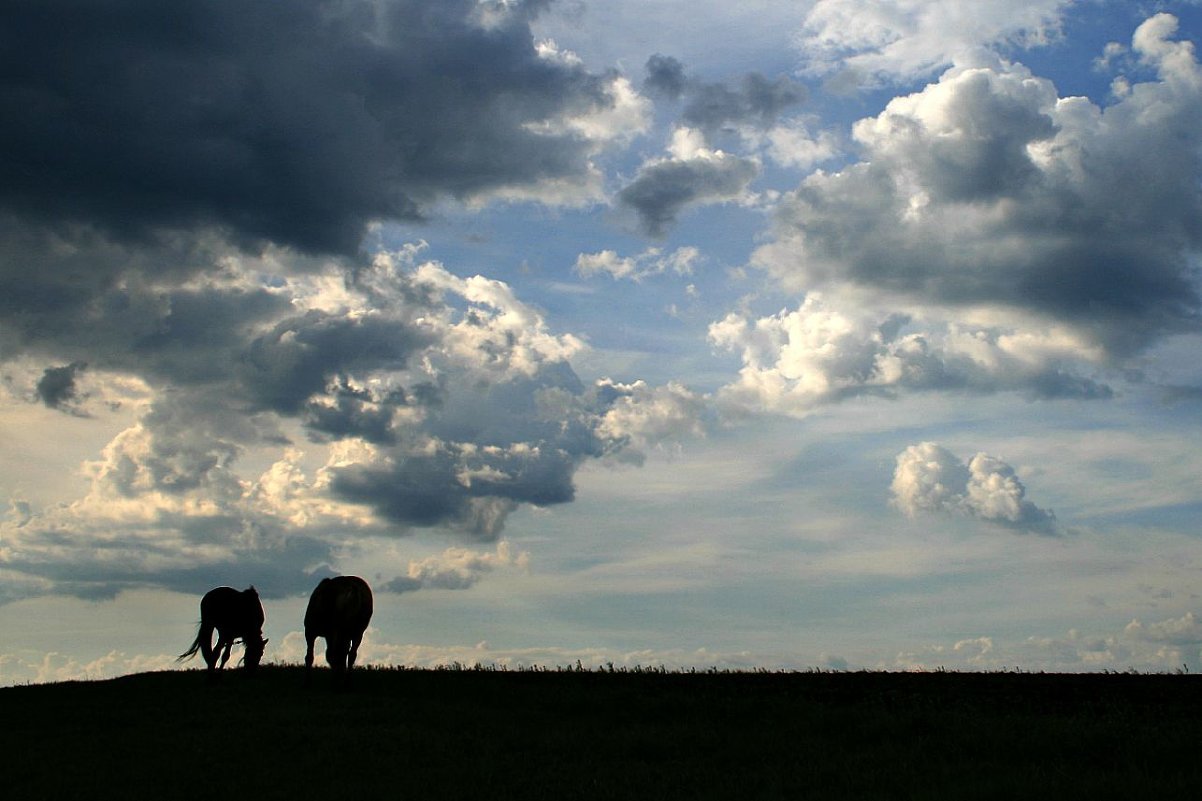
(217, 602)
(226, 606)
(339, 603)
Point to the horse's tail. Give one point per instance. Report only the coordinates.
(202, 643)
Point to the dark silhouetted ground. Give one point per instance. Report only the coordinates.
(409, 734)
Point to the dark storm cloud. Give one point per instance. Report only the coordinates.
(756, 101)
(146, 147)
(665, 77)
(759, 101)
(712, 111)
(297, 359)
(471, 489)
(56, 388)
(355, 412)
(296, 122)
(82, 297)
(496, 446)
(663, 189)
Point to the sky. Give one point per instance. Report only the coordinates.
(838, 334)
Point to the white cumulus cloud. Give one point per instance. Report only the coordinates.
(988, 193)
(931, 479)
(820, 353)
(902, 39)
(457, 568)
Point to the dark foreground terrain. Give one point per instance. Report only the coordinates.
(401, 734)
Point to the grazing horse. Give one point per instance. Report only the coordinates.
(339, 610)
(236, 615)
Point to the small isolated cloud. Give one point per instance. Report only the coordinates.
(652, 261)
(57, 388)
(691, 175)
(457, 569)
(1112, 53)
(665, 77)
(929, 479)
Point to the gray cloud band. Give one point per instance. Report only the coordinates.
(296, 123)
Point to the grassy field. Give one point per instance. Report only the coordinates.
(476, 734)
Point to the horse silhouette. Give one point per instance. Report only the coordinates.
(237, 615)
(339, 610)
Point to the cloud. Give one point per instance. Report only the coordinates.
(692, 174)
(1164, 645)
(173, 309)
(697, 171)
(796, 361)
(57, 387)
(751, 113)
(904, 39)
(1183, 632)
(456, 569)
(428, 400)
(652, 261)
(460, 485)
(930, 479)
(19, 512)
(665, 77)
(792, 144)
(757, 101)
(297, 124)
(639, 417)
(988, 193)
(57, 667)
(375, 652)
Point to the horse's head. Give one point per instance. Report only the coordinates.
(254, 651)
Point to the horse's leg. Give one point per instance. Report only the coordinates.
(206, 644)
(225, 655)
(354, 652)
(309, 640)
